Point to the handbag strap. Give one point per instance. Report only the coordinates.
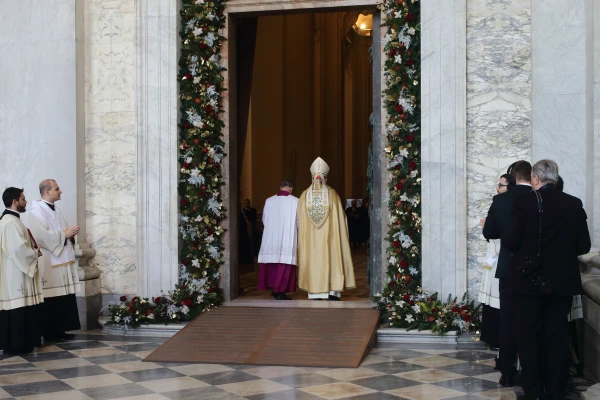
(540, 212)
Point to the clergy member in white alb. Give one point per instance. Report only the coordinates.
(277, 257)
(60, 278)
(20, 284)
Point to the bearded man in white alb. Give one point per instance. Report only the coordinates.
(20, 284)
(60, 278)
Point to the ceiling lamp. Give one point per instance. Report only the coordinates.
(363, 24)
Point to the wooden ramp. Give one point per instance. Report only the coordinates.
(301, 337)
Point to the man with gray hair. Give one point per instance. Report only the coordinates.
(548, 230)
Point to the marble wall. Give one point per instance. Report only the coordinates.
(560, 113)
(498, 108)
(38, 122)
(110, 141)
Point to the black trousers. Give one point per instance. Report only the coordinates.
(543, 339)
(490, 326)
(508, 340)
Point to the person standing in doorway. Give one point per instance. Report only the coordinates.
(278, 256)
(324, 259)
(250, 214)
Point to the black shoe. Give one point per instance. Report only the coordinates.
(507, 381)
(334, 298)
(281, 296)
(68, 336)
(18, 352)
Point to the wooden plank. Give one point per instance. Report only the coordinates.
(274, 336)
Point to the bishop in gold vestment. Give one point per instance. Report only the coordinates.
(324, 260)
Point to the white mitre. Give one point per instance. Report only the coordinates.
(319, 168)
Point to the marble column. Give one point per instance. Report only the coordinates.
(594, 48)
(157, 211)
(443, 148)
(498, 108)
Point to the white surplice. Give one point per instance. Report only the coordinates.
(20, 283)
(280, 235)
(489, 291)
(57, 264)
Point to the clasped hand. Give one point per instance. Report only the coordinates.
(72, 231)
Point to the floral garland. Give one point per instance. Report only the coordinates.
(403, 303)
(200, 180)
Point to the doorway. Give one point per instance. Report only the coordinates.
(303, 88)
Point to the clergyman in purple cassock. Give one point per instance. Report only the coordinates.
(278, 252)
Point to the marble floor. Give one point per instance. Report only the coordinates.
(102, 367)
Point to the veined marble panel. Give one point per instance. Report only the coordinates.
(499, 108)
(111, 198)
(110, 141)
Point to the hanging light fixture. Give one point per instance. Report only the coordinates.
(363, 24)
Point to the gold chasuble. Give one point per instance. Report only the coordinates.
(324, 258)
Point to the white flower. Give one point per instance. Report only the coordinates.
(210, 239)
(416, 308)
(196, 80)
(199, 299)
(194, 119)
(398, 14)
(197, 32)
(393, 260)
(196, 177)
(403, 153)
(404, 239)
(406, 105)
(413, 271)
(195, 263)
(400, 303)
(199, 1)
(398, 59)
(214, 252)
(210, 39)
(414, 173)
(213, 205)
(409, 318)
(150, 316)
(185, 310)
(411, 31)
(117, 319)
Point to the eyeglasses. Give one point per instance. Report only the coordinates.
(501, 185)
